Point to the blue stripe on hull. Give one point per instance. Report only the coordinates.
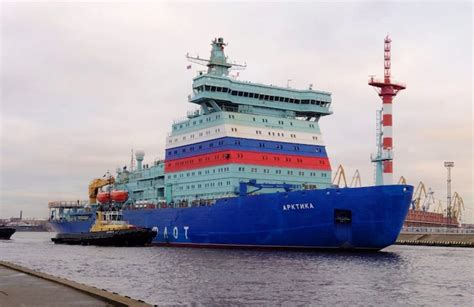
(274, 220)
(232, 143)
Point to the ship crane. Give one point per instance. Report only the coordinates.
(95, 185)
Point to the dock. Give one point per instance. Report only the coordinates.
(20, 286)
(432, 236)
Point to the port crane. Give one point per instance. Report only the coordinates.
(340, 176)
(356, 180)
(457, 206)
(402, 180)
(419, 193)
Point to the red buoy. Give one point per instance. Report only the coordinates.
(103, 197)
(119, 196)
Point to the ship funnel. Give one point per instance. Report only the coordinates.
(139, 155)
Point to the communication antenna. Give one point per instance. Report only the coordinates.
(132, 162)
(218, 63)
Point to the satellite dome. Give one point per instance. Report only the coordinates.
(139, 155)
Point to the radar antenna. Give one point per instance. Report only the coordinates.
(217, 64)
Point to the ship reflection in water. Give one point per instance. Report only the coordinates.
(400, 275)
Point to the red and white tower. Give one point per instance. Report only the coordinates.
(387, 89)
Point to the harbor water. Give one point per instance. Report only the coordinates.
(399, 275)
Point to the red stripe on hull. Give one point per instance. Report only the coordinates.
(247, 157)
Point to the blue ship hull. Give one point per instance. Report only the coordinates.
(357, 218)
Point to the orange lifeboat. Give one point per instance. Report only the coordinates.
(119, 196)
(103, 197)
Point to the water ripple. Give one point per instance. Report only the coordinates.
(400, 275)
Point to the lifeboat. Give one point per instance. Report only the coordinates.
(103, 197)
(119, 196)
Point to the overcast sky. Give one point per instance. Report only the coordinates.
(83, 83)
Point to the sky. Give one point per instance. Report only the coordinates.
(82, 83)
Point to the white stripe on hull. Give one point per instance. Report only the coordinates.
(247, 132)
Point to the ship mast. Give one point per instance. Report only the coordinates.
(217, 64)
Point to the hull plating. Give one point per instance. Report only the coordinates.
(371, 218)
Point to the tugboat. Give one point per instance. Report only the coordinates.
(6, 232)
(109, 230)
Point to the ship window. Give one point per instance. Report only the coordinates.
(251, 95)
(234, 93)
(254, 119)
(240, 94)
(213, 88)
(287, 100)
(207, 88)
(282, 99)
(219, 89)
(266, 97)
(246, 94)
(271, 98)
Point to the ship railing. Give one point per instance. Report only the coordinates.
(434, 230)
(67, 204)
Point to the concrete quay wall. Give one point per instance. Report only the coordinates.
(26, 287)
(436, 239)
